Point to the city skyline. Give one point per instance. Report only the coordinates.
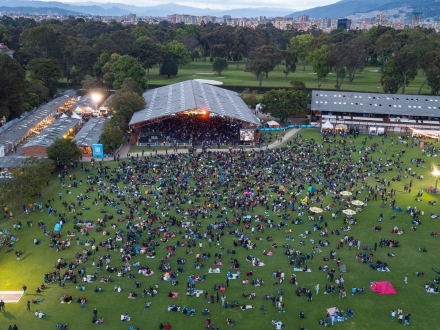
(216, 4)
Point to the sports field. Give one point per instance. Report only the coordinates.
(246, 172)
(367, 80)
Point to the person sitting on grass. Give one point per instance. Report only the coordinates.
(125, 317)
(97, 320)
(230, 322)
(301, 315)
(39, 314)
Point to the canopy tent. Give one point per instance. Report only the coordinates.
(429, 133)
(78, 110)
(64, 116)
(75, 116)
(383, 288)
(373, 130)
(272, 124)
(380, 131)
(327, 126)
(342, 127)
(312, 189)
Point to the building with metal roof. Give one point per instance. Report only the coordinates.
(372, 104)
(90, 133)
(189, 95)
(12, 133)
(12, 161)
(398, 112)
(57, 130)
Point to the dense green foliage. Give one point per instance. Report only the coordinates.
(64, 151)
(99, 55)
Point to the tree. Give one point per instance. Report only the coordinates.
(64, 151)
(122, 107)
(431, 69)
(127, 66)
(148, 52)
(35, 94)
(112, 136)
(271, 54)
(300, 44)
(26, 181)
(40, 42)
(284, 104)
(320, 61)
(259, 67)
(90, 83)
(130, 85)
(179, 53)
(337, 58)
(46, 70)
(290, 58)
(219, 65)
(250, 97)
(402, 67)
(12, 87)
(298, 85)
(169, 67)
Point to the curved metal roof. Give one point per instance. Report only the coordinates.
(190, 94)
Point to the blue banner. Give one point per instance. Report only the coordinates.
(98, 150)
(266, 129)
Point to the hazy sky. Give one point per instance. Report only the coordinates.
(223, 4)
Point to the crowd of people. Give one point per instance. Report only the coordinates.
(189, 201)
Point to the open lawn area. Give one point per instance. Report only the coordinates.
(367, 80)
(180, 185)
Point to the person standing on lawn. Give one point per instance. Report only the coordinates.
(2, 306)
(24, 290)
(405, 279)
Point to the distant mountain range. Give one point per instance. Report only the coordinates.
(344, 8)
(119, 9)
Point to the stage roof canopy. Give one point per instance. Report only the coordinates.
(188, 95)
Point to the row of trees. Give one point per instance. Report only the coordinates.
(98, 53)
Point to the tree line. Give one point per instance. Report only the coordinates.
(101, 55)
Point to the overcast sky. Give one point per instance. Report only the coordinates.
(223, 4)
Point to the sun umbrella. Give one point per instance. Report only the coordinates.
(345, 193)
(357, 202)
(349, 212)
(315, 209)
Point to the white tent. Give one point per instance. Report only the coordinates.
(78, 110)
(64, 116)
(380, 131)
(75, 116)
(272, 124)
(326, 125)
(373, 130)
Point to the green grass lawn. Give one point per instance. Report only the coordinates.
(372, 311)
(367, 80)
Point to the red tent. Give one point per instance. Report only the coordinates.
(383, 288)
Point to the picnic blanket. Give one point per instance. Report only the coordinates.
(144, 272)
(234, 276)
(301, 270)
(214, 271)
(343, 268)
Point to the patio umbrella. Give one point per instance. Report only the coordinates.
(349, 212)
(357, 202)
(315, 209)
(345, 193)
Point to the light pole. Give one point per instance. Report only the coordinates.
(96, 98)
